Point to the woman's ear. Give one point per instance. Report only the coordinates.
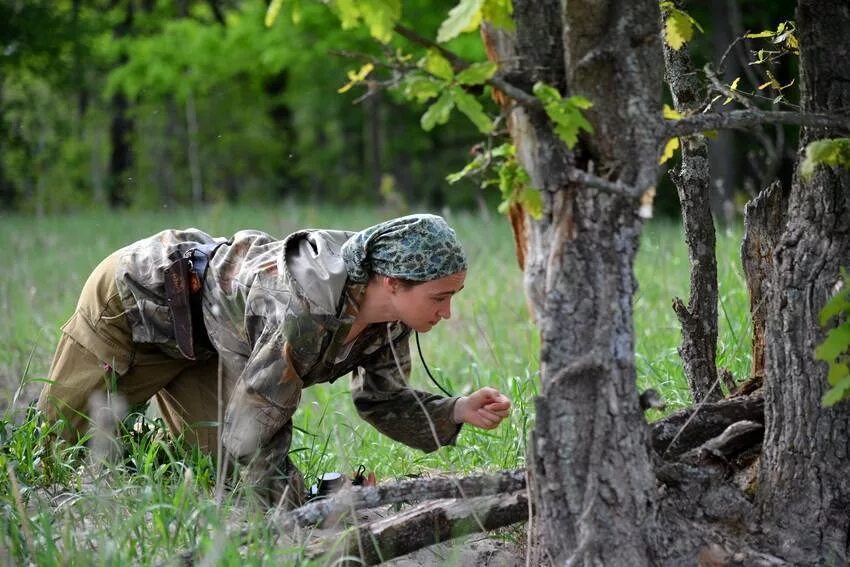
(391, 284)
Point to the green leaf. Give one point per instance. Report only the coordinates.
(422, 88)
(566, 114)
(478, 162)
(579, 102)
(837, 372)
(838, 304)
(477, 73)
(348, 13)
(437, 65)
(678, 29)
(272, 12)
(532, 201)
(499, 13)
(438, 113)
(381, 17)
(832, 152)
(470, 106)
(546, 94)
(839, 392)
(463, 16)
(836, 343)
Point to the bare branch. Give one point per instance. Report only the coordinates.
(613, 187)
(744, 119)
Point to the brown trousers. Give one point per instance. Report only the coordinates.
(96, 354)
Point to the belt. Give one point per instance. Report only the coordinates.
(184, 279)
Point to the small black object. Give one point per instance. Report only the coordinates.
(327, 484)
(651, 399)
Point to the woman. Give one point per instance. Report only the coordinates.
(203, 324)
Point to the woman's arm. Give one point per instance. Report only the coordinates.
(382, 397)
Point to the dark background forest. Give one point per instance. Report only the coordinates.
(158, 103)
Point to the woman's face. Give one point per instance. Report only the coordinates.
(422, 306)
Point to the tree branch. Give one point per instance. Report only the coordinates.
(613, 187)
(743, 119)
(459, 64)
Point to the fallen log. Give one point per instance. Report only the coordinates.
(409, 491)
(689, 428)
(423, 525)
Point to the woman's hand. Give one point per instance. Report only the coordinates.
(485, 408)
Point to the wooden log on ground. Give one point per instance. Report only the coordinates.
(692, 427)
(410, 490)
(423, 525)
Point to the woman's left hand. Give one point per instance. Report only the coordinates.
(485, 408)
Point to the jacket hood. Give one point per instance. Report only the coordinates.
(313, 262)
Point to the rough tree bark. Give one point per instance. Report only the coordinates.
(764, 220)
(594, 487)
(804, 488)
(693, 183)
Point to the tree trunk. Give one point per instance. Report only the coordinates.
(804, 488)
(721, 152)
(693, 183)
(593, 485)
(121, 132)
(194, 150)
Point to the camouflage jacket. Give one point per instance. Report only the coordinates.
(277, 312)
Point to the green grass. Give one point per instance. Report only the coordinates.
(158, 500)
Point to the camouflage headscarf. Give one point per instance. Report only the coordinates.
(415, 247)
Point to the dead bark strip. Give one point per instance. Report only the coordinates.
(693, 183)
(412, 490)
(691, 427)
(421, 526)
(764, 221)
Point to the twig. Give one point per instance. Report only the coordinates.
(613, 187)
(742, 119)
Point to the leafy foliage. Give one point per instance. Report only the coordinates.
(832, 152)
(511, 178)
(564, 112)
(835, 349)
(678, 25)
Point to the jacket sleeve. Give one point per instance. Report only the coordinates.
(382, 397)
(266, 394)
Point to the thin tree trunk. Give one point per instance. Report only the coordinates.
(804, 487)
(194, 150)
(121, 133)
(693, 183)
(721, 152)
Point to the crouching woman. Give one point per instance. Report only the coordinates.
(225, 334)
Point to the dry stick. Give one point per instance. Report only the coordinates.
(410, 490)
(424, 525)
